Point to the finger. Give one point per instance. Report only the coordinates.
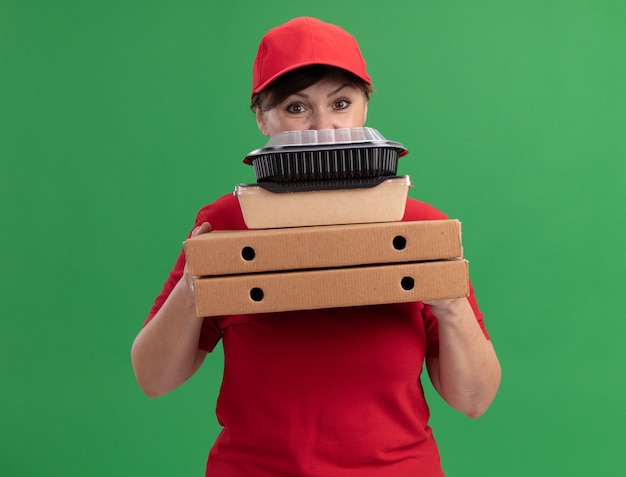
(203, 228)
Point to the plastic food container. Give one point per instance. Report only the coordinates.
(263, 209)
(324, 154)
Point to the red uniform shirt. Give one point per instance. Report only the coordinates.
(333, 392)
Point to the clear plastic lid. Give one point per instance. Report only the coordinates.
(341, 138)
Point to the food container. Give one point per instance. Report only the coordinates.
(343, 153)
(263, 209)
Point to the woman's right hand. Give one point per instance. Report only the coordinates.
(190, 280)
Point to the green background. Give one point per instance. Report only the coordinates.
(120, 119)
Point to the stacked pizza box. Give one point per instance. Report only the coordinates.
(325, 231)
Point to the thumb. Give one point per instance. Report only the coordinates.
(203, 228)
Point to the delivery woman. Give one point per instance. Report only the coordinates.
(333, 392)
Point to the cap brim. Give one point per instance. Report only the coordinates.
(277, 75)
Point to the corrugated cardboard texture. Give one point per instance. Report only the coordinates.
(238, 252)
(286, 291)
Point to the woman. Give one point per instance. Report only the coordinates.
(332, 392)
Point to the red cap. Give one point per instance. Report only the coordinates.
(301, 42)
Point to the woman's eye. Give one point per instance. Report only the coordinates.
(341, 104)
(295, 108)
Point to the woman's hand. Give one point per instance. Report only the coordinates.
(190, 280)
(448, 308)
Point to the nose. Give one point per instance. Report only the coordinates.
(322, 120)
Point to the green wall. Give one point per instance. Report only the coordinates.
(119, 119)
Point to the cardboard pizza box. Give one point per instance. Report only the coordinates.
(330, 246)
(329, 288)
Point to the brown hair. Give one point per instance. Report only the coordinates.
(300, 79)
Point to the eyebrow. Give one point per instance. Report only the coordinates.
(332, 93)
